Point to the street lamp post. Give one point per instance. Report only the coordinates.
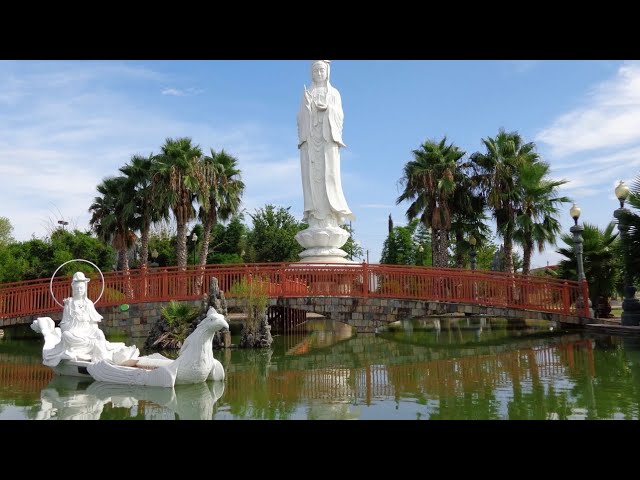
(472, 252)
(420, 255)
(577, 230)
(154, 255)
(630, 304)
(194, 239)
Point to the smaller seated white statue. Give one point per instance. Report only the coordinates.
(79, 338)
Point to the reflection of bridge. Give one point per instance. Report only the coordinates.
(363, 295)
(434, 373)
(318, 376)
(20, 378)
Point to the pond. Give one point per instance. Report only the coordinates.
(462, 368)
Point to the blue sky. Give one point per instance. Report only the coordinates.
(65, 125)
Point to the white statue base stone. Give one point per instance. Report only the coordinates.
(327, 259)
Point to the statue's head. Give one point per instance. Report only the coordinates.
(320, 71)
(216, 319)
(79, 284)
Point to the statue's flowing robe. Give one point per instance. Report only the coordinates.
(320, 140)
(80, 333)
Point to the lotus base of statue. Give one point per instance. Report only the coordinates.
(322, 244)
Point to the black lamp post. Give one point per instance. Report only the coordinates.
(630, 304)
(154, 255)
(472, 252)
(577, 230)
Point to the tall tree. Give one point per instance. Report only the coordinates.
(537, 221)
(225, 189)
(602, 262)
(228, 243)
(468, 216)
(407, 245)
(632, 218)
(272, 238)
(422, 241)
(112, 214)
(139, 172)
(5, 232)
(352, 247)
(498, 173)
(178, 179)
(429, 184)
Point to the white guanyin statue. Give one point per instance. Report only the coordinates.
(79, 348)
(79, 337)
(320, 121)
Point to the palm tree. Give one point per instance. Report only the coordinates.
(468, 216)
(225, 189)
(537, 223)
(178, 179)
(139, 175)
(113, 214)
(632, 219)
(498, 172)
(428, 182)
(601, 261)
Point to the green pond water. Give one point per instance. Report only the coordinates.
(466, 368)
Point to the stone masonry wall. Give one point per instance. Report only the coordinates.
(364, 314)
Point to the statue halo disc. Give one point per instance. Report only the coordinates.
(76, 260)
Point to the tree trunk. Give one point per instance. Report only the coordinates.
(508, 264)
(123, 259)
(144, 241)
(459, 256)
(443, 249)
(181, 243)
(508, 251)
(435, 245)
(209, 222)
(526, 256)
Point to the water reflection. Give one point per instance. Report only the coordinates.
(72, 398)
(462, 369)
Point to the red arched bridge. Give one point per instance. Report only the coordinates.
(364, 295)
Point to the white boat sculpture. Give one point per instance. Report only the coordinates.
(79, 348)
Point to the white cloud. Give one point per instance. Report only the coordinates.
(522, 66)
(375, 205)
(67, 127)
(176, 92)
(609, 118)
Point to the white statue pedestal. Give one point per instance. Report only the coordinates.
(323, 244)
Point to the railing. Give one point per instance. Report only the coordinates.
(303, 280)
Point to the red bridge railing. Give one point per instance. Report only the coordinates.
(302, 280)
